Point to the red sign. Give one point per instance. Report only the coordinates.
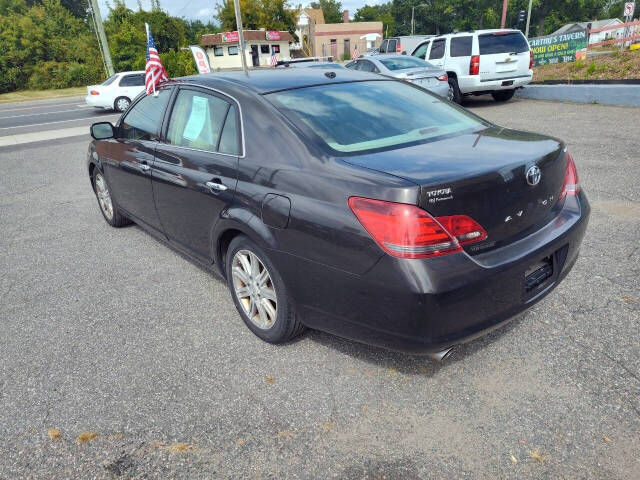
(230, 37)
(272, 35)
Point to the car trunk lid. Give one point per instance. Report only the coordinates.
(483, 175)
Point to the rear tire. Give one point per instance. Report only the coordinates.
(121, 104)
(455, 90)
(259, 293)
(503, 95)
(108, 206)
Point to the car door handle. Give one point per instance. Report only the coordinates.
(216, 187)
(143, 167)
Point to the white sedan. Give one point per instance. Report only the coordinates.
(117, 91)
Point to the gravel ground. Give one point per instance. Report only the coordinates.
(110, 332)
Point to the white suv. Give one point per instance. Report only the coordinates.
(481, 61)
(117, 91)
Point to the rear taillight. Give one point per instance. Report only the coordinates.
(465, 229)
(530, 59)
(474, 65)
(571, 186)
(407, 231)
(444, 78)
(94, 92)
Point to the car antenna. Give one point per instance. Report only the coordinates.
(330, 74)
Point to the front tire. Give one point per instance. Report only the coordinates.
(121, 104)
(503, 95)
(259, 293)
(108, 206)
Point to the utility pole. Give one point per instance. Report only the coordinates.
(413, 11)
(236, 5)
(102, 37)
(505, 3)
(526, 32)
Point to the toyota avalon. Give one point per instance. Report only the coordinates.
(346, 202)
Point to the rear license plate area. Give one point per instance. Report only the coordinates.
(538, 273)
(507, 83)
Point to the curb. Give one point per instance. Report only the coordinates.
(606, 94)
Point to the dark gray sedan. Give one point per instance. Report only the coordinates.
(407, 68)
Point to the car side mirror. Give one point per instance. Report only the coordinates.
(103, 130)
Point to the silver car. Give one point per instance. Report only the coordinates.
(407, 68)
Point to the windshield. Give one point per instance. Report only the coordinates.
(502, 43)
(360, 116)
(110, 80)
(400, 63)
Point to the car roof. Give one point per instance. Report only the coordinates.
(276, 79)
(473, 32)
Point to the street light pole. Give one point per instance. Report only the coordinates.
(526, 32)
(413, 11)
(104, 46)
(236, 5)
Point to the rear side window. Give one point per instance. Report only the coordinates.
(437, 50)
(461, 46)
(229, 140)
(512, 42)
(404, 62)
(421, 51)
(132, 80)
(366, 66)
(197, 120)
(143, 120)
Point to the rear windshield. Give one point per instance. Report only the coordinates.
(361, 116)
(400, 63)
(110, 80)
(502, 43)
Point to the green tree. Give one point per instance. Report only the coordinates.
(331, 9)
(257, 14)
(377, 13)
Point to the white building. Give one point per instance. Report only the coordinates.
(223, 48)
(595, 24)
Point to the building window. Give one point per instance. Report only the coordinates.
(264, 49)
(233, 50)
(275, 49)
(217, 51)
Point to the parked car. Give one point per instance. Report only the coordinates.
(481, 61)
(117, 91)
(409, 69)
(314, 65)
(402, 44)
(345, 201)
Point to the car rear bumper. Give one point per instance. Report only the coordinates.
(424, 306)
(474, 83)
(95, 101)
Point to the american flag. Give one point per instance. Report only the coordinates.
(273, 61)
(355, 52)
(154, 71)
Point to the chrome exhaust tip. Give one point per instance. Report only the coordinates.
(441, 355)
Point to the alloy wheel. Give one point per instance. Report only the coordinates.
(104, 197)
(122, 104)
(254, 289)
(450, 94)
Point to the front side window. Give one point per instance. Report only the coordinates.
(511, 42)
(233, 50)
(145, 117)
(461, 46)
(360, 116)
(421, 51)
(197, 121)
(401, 63)
(437, 50)
(218, 51)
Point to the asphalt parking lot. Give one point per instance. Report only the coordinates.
(110, 332)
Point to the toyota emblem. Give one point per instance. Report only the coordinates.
(533, 175)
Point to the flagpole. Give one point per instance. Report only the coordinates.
(236, 4)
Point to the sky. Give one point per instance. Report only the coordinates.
(205, 9)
